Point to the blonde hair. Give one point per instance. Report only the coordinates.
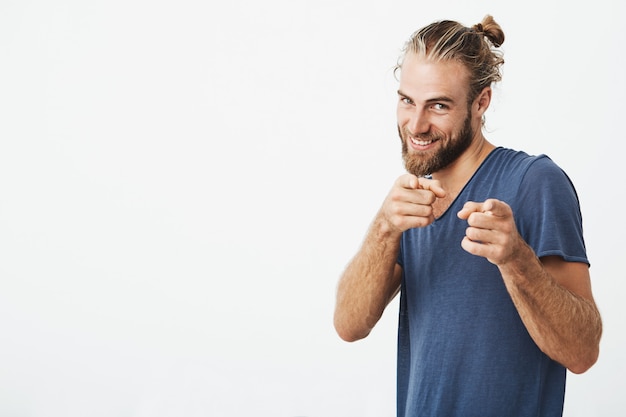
(473, 47)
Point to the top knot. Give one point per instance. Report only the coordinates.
(491, 30)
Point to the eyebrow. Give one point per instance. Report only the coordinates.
(441, 99)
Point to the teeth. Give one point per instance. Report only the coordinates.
(421, 142)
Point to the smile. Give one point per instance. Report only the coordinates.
(421, 142)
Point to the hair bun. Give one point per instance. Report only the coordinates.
(491, 30)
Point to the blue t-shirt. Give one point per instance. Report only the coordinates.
(462, 347)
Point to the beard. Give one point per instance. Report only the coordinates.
(425, 163)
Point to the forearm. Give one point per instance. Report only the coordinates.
(368, 283)
(566, 326)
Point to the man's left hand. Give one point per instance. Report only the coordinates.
(492, 232)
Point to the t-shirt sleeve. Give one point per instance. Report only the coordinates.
(400, 259)
(547, 212)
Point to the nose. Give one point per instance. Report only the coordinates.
(418, 123)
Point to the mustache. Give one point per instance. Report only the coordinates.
(404, 133)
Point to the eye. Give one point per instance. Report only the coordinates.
(440, 107)
(406, 101)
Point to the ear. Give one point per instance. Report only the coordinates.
(481, 104)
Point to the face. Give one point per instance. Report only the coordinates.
(422, 163)
(435, 121)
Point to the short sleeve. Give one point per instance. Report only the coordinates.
(547, 212)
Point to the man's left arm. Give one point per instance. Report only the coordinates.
(553, 296)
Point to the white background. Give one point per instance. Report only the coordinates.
(182, 183)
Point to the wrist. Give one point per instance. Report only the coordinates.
(383, 230)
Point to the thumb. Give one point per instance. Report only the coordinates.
(496, 207)
(432, 185)
(408, 181)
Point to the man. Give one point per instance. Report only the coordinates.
(484, 244)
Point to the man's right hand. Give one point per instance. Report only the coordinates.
(409, 204)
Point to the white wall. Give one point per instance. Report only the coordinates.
(182, 182)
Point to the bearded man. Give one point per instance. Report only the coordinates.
(483, 243)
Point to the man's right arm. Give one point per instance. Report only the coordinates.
(372, 279)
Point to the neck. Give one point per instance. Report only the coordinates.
(455, 176)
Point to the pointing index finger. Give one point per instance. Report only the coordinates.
(469, 208)
(490, 206)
